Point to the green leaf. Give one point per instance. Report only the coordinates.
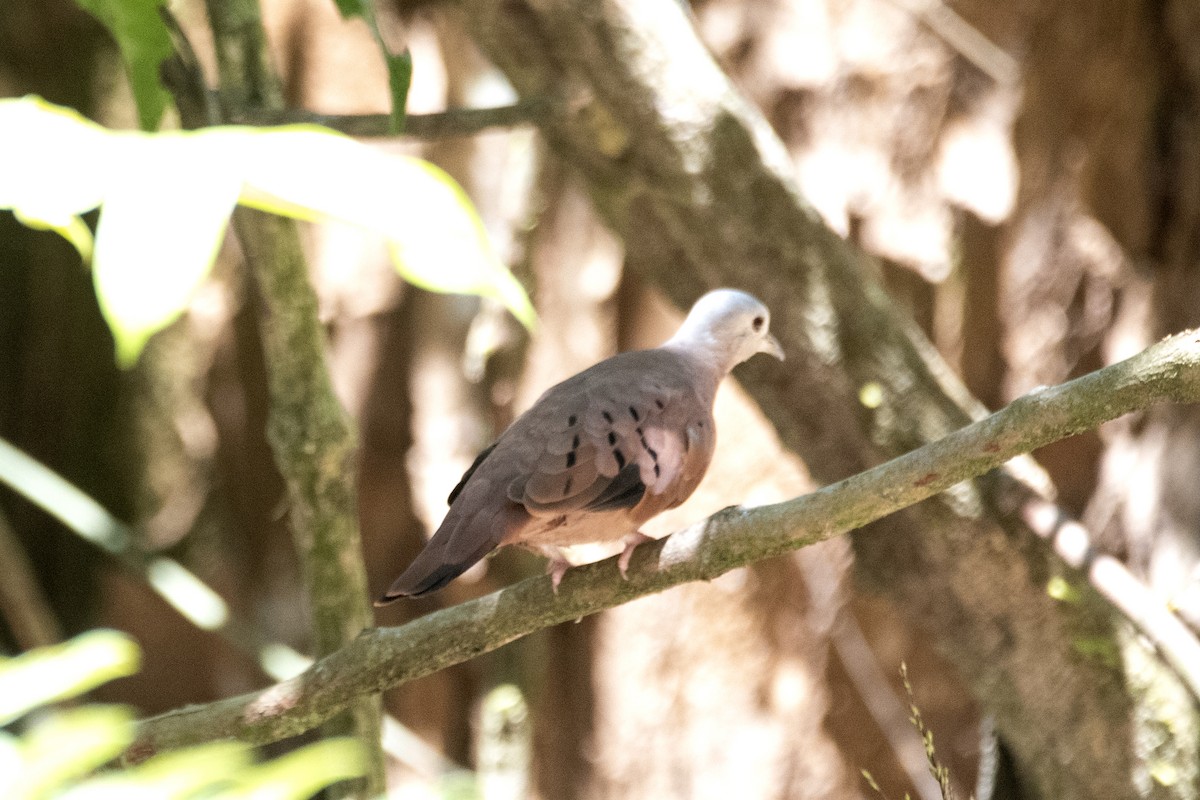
(166, 200)
(58, 750)
(64, 746)
(159, 232)
(399, 69)
(202, 771)
(50, 674)
(399, 66)
(55, 166)
(349, 8)
(145, 43)
(301, 773)
(436, 239)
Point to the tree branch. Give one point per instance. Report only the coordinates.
(691, 175)
(443, 125)
(314, 449)
(381, 658)
(310, 433)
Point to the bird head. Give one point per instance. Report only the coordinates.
(728, 326)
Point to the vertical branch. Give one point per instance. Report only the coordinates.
(247, 79)
(314, 447)
(310, 433)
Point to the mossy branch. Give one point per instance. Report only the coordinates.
(314, 446)
(735, 537)
(310, 433)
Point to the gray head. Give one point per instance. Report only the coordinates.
(726, 327)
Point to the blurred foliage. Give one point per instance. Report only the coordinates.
(61, 752)
(144, 43)
(167, 197)
(399, 65)
(50, 674)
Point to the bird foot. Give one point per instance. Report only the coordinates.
(557, 567)
(631, 543)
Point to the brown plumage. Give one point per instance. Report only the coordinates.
(600, 453)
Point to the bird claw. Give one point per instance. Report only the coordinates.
(631, 543)
(556, 569)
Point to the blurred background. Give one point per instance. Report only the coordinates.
(1027, 174)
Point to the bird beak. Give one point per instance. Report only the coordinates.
(771, 346)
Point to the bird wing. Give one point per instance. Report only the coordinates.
(633, 431)
(604, 442)
(462, 482)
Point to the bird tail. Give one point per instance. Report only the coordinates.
(453, 550)
(421, 578)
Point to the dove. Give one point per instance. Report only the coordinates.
(600, 453)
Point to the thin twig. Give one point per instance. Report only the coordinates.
(938, 770)
(828, 597)
(964, 38)
(183, 75)
(885, 707)
(381, 658)
(22, 601)
(442, 125)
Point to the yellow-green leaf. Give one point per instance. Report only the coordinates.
(66, 745)
(206, 770)
(301, 773)
(73, 229)
(55, 673)
(166, 199)
(54, 163)
(437, 240)
(159, 232)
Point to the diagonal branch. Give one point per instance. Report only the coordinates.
(703, 193)
(380, 658)
(23, 605)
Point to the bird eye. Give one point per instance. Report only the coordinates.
(758, 323)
